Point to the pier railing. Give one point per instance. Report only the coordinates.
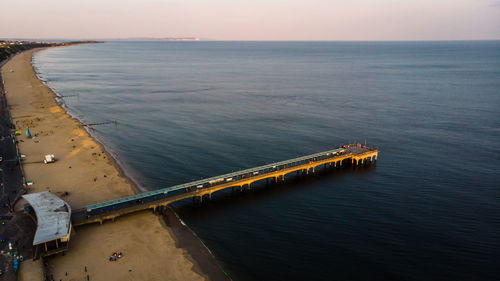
(354, 154)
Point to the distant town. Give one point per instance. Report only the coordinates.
(9, 48)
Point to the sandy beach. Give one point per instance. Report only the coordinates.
(83, 174)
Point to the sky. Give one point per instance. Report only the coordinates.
(336, 20)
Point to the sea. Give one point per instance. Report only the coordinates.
(429, 209)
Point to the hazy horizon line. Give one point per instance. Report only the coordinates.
(166, 39)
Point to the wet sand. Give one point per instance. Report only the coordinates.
(187, 239)
(84, 173)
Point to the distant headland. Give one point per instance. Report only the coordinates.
(160, 39)
(180, 39)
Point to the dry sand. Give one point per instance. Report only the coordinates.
(89, 175)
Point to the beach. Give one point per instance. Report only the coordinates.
(83, 174)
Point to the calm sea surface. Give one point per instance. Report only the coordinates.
(429, 210)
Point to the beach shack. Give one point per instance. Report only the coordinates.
(53, 223)
(49, 158)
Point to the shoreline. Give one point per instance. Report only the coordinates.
(197, 250)
(205, 261)
(114, 160)
(135, 187)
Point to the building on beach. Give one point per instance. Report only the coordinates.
(53, 223)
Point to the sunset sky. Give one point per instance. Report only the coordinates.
(252, 19)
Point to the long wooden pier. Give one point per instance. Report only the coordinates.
(353, 154)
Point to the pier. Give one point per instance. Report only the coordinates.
(353, 154)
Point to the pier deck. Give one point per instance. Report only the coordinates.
(353, 154)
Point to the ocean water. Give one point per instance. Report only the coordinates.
(428, 210)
